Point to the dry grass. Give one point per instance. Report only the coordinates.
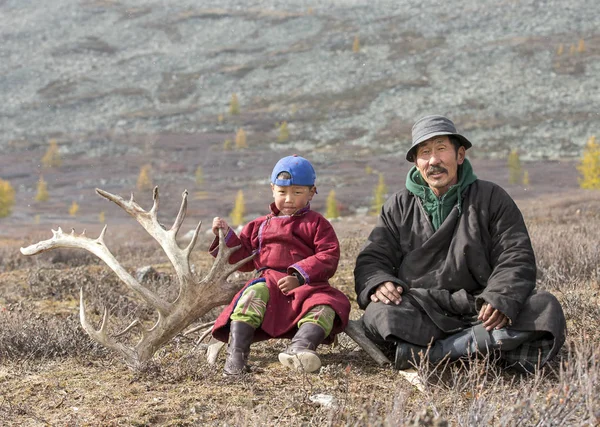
(52, 374)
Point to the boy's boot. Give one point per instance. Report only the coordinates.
(464, 343)
(301, 354)
(240, 338)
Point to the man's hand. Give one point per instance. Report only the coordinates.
(219, 223)
(387, 293)
(287, 283)
(491, 317)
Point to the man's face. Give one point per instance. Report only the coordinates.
(438, 163)
(292, 198)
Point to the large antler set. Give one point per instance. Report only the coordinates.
(195, 297)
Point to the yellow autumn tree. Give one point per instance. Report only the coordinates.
(284, 132)
(227, 145)
(526, 178)
(515, 171)
(356, 45)
(42, 191)
(7, 198)
(239, 209)
(560, 49)
(368, 170)
(102, 218)
(332, 206)
(379, 195)
(234, 105)
(52, 157)
(581, 46)
(74, 208)
(144, 181)
(199, 176)
(240, 139)
(589, 167)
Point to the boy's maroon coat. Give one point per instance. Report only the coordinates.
(304, 242)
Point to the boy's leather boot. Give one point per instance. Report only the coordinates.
(240, 338)
(301, 354)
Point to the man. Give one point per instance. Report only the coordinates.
(449, 270)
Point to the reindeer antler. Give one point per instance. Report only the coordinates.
(194, 299)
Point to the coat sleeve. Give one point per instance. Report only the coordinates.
(323, 264)
(380, 257)
(511, 257)
(231, 240)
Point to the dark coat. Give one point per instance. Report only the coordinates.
(481, 254)
(304, 242)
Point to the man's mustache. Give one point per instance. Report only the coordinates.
(436, 169)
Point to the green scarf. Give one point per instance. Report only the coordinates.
(438, 208)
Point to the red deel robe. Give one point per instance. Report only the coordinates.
(304, 242)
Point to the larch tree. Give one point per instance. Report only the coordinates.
(239, 209)
(52, 157)
(356, 45)
(240, 139)
(42, 191)
(144, 181)
(589, 167)
(332, 210)
(7, 198)
(515, 171)
(284, 132)
(234, 105)
(199, 176)
(74, 208)
(379, 195)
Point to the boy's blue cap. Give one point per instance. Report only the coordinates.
(299, 168)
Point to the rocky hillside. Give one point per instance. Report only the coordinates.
(123, 83)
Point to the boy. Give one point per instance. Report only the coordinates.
(297, 252)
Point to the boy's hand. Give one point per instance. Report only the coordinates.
(287, 283)
(219, 223)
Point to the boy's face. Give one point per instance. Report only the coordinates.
(292, 198)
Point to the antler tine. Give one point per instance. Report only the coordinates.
(101, 335)
(181, 214)
(156, 201)
(98, 248)
(221, 268)
(190, 246)
(166, 239)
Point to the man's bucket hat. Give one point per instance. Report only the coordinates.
(299, 168)
(430, 126)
